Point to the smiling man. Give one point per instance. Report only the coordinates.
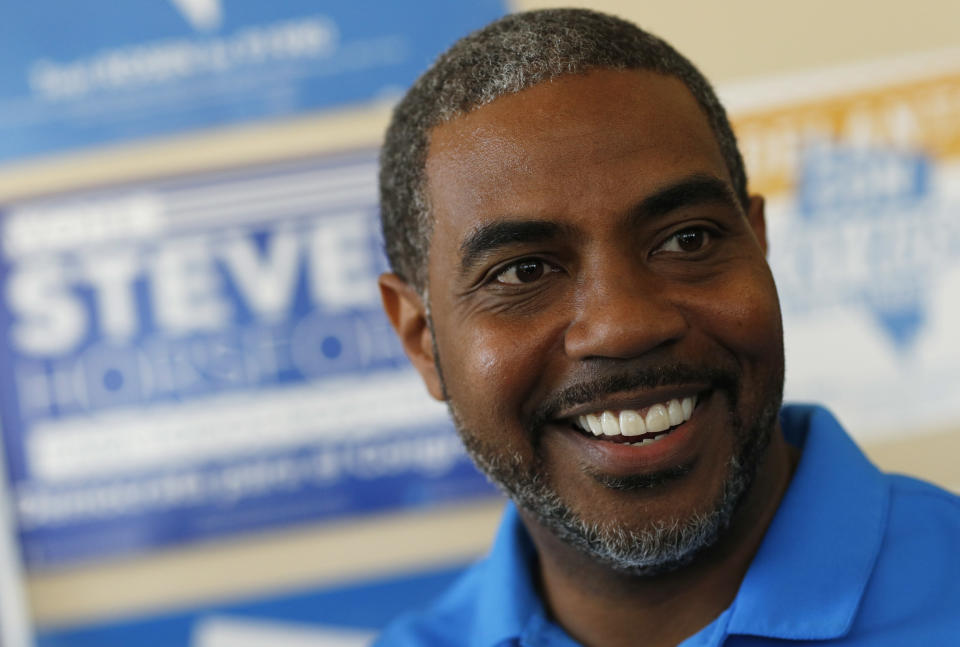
(580, 273)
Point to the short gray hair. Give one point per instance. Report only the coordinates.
(505, 57)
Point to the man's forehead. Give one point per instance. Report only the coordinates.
(609, 96)
(565, 142)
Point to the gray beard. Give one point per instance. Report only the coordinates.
(664, 545)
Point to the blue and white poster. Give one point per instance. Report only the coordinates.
(197, 357)
(860, 170)
(98, 72)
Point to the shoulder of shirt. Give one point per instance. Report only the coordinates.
(916, 505)
(446, 621)
(903, 487)
(914, 589)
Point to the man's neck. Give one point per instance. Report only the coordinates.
(600, 606)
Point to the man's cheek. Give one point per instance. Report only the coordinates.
(475, 362)
(494, 348)
(749, 326)
(761, 328)
(746, 313)
(488, 358)
(496, 371)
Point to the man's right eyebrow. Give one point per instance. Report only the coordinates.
(502, 233)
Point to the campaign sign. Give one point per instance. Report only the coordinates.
(863, 191)
(195, 357)
(867, 260)
(77, 74)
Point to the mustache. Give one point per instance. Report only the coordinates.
(722, 378)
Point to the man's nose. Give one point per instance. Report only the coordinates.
(623, 313)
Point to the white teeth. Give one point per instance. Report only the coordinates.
(593, 424)
(675, 412)
(657, 418)
(631, 424)
(611, 427)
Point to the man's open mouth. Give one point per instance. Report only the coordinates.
(638, 426)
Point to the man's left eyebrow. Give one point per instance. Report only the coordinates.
(693, 190)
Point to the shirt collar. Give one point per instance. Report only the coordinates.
(810, 573)
(508, 599)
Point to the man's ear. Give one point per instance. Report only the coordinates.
(408, 314)
(757, 218)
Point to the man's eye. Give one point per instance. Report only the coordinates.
(527, 270)
(686, 240)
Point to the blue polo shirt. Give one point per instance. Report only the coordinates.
(853, 556)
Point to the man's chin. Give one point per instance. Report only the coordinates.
(649, 548)
(656, 547)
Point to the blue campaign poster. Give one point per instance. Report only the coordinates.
(82, 74)
(195, 357)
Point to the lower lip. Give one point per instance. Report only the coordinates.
(622, 459)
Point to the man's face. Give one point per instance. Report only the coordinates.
(590, 265)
